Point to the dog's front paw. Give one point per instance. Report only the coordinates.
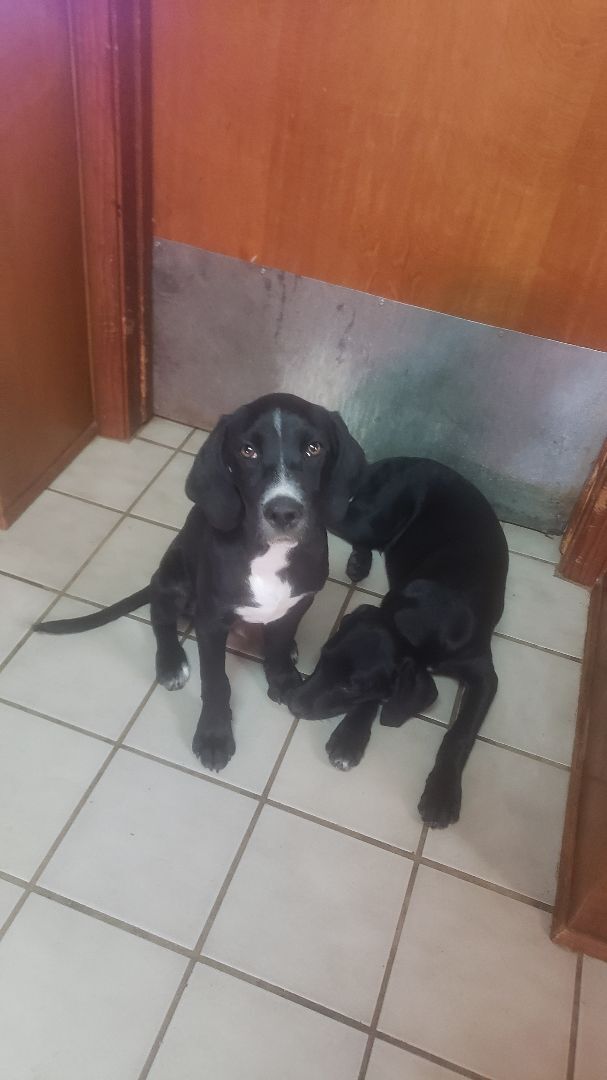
(346, 747)
(282, 684)
(213, 747)
(441, 801)
(172, 671)
(358, 566)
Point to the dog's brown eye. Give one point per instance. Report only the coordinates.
(313, 449)
(248, 451)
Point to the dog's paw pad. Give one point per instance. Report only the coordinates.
(176, 679)
(440, 803)
(344, 754)
(213, 751)
(358, 566)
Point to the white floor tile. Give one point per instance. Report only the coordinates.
(391, 1063)
(339, 553)
(543, 609)
(94, 679)
(442, 708)
(379, 796)
(51, 540)
(165, 500)
(78, 998)
(529, 542)
(238, 1030)
(112, 473)
(313, 911)
(125, 563)
(196, 440)
(9, 894)
(317, 624)
(165, 432)
(478, 982)
(591, 1054)
(21, 605)
(167, 723)
(511, 822)
(44, 770)
(536, 702)
(151, 846)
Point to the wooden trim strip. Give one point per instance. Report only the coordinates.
(111, 64)
(584, 546)
(580, 914)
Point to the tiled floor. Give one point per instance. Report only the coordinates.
(280, 921)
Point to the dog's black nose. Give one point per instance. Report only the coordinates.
(283, 512)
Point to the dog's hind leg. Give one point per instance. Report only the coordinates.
(348, 742)
(440, 803)
(169, 596)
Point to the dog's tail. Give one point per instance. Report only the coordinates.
(98, 618)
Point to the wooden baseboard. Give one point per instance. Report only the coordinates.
(10, 513)
(580, 915)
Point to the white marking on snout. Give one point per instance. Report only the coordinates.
(283, 485)
(270, 594)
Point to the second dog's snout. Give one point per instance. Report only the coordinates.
(283, 512)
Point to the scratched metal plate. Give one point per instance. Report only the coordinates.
(522, 416)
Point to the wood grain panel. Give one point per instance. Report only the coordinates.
(584, 546)
(110, 41)
(45, 394)
(580, 912)
(448, 153)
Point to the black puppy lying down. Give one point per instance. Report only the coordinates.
(447, 561)
(268, 480)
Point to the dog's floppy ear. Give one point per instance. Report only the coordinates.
(415, 690)
(210, 485)
(346, 469)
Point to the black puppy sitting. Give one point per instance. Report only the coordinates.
(268, 480)
(447, 561)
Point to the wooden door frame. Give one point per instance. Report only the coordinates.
(110, 46)
(584, 546)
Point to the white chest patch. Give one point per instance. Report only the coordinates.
(271, 595)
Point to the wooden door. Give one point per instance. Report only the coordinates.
(46, 407)
(447, 153)
(76, 229)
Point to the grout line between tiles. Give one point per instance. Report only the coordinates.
(335, 827)
(111, 920)
(280, 991)
(392, 954)
(459, 1070)
(120, 516)
(157, 442)
(501, 745)
(56, 720)
(540, 648)
(28, 581)
(575, 1017)
(216, 906)
(227, 969)
(190, 772)
(14, 879)
(490, 886)
(113, 750)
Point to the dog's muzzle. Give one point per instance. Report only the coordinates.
(284, 514)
